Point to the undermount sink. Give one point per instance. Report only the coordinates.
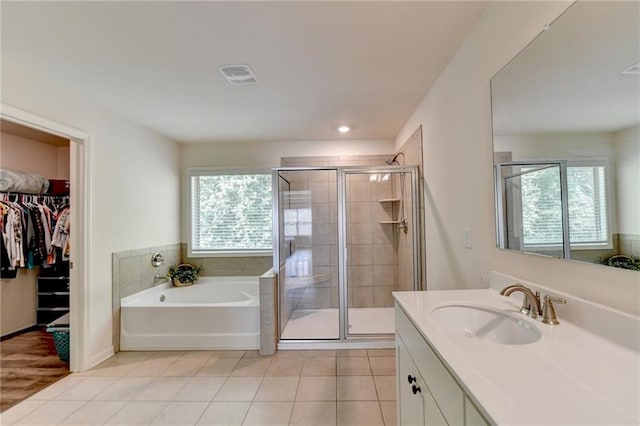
(484, 323)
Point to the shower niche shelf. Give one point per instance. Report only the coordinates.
(389, 200)
(390, 221)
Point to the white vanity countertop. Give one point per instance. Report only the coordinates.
(568, 377)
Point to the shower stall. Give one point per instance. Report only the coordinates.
(345, 238)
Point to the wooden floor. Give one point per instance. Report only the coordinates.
(28, 363)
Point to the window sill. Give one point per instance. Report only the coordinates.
(252, 253)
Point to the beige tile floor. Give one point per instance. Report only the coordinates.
(319, 387)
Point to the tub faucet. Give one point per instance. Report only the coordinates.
(530, 303)
(160, 279)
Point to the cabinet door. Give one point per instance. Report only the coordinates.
(410, 406)
(472, 416)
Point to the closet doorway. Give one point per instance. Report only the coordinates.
(46, 285)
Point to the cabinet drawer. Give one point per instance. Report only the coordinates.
(48, 315)
(446, 392)
(53, 300)
(53, 285)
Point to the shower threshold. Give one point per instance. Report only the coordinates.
(317, 324)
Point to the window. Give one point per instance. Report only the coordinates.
(230, 213)
(587, 200)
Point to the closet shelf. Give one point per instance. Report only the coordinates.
(389, 221)
(389, 200)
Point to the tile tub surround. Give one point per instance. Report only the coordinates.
(228, 266)
(268, 313)
(328, 387)
(132, 272)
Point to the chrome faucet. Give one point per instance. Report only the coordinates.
(530, 303)
(160, 279)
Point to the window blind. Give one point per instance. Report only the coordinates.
(231, 212)
(542, 206)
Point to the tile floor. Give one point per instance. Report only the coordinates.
(318, 387)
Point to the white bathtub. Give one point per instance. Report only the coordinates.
(214, 313)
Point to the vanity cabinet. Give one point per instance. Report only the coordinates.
(433, 397)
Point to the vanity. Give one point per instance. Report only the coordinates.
(470, 357)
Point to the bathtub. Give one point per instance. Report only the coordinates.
(213, 313)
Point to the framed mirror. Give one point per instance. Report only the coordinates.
(566, 135)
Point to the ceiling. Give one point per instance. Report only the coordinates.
(570, 78)
(318, 64)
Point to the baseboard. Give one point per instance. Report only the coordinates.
(105, 354)
(32, 327)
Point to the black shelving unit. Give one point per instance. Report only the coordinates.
(53, 298)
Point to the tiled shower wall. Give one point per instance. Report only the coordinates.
(132, 272)
(370, 244)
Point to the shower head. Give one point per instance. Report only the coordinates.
(394, 160)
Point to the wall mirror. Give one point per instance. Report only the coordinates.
(566, 118)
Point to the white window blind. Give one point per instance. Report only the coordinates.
(231, 213)
(542, 207)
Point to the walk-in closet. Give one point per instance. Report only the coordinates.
(34, 264)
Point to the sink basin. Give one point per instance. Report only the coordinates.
(483, 323)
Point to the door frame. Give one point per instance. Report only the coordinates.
(412, 170)
(80, 290)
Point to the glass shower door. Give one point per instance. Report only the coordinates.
(532, 207)
(308, 234)
(380, 241)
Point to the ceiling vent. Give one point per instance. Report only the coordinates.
(238, 74)
(633, 69)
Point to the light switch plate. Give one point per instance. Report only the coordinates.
(467, 238)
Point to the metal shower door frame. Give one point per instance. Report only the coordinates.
(341, 173)
(342, 231)
(500, 191)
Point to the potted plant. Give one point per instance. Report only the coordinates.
(183, 274)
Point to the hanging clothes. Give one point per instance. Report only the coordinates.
(35, 231)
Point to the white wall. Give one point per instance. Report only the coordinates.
(627, 150)
(269, 154)
(27, 155)
(456, 120)
(134, 185)
(556, 146)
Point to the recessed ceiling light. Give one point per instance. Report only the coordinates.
(344, 129)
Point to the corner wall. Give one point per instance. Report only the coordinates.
(458, 188)
(134, 187)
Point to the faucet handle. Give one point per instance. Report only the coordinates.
(549, 312)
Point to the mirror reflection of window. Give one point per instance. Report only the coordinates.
(571, 96)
